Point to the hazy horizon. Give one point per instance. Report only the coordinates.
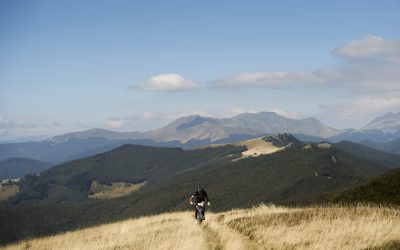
(136, 66)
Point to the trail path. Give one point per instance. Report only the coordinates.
(219, 235)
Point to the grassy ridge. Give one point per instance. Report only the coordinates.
(263, 227)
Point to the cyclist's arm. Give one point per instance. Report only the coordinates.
(206, 196)
(190, 199)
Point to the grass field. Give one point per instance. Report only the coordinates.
(257, 147)
(117, 189)
(263, 227)
(7, 191)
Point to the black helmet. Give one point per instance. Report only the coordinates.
(200, 189)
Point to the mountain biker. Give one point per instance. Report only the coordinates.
(199, 196)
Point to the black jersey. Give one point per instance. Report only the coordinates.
(200, 196)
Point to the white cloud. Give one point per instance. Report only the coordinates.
(13, 129)
(166, 83)
(373, 64)
(360, 110)
(271, 79)
(369, 47)
(10, 124)
(114, 123)
(148, 115)
(364, 105)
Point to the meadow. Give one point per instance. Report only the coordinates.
(261, 227)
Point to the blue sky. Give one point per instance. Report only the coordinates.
(137, 65)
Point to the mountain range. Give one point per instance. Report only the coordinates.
(210, 129)
(247, 125)
(390, 122)
(196, 131)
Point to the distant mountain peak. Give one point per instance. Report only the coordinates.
(258, 114)
(389, 122)
(192, 121)
(94, 133)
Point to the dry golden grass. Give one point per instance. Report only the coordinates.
(263, 227)
(117, 189)
(257, 147)
(324, 145)
(7, 191)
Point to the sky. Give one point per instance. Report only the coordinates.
(138, 65)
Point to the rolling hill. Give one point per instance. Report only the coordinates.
(58, 200)
(383, 190)
(392, 146)
(75, 148)
(135, 164)
(129, 163)
(50, 151)
(18, 167)
(375, 155)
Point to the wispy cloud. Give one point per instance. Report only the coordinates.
(271, 79)
(166, 83)
(12, 129)
(370, 47)
(370, 64)
(114, 123)
(11, 124)
(364, 105)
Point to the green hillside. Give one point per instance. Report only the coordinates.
(382, 157)
(292, 175)
(57, 200)
(391, 146)
(129, 163)
(12, 168)
(383, 190)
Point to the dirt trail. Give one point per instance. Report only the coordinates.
(220, 236)
(212, 238)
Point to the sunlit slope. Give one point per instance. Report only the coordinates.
(264, 227)
(257, 147)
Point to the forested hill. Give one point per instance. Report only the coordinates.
(299, 173)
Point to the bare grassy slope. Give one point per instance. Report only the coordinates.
(264, 227)
(257, 147)
(7, 191)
